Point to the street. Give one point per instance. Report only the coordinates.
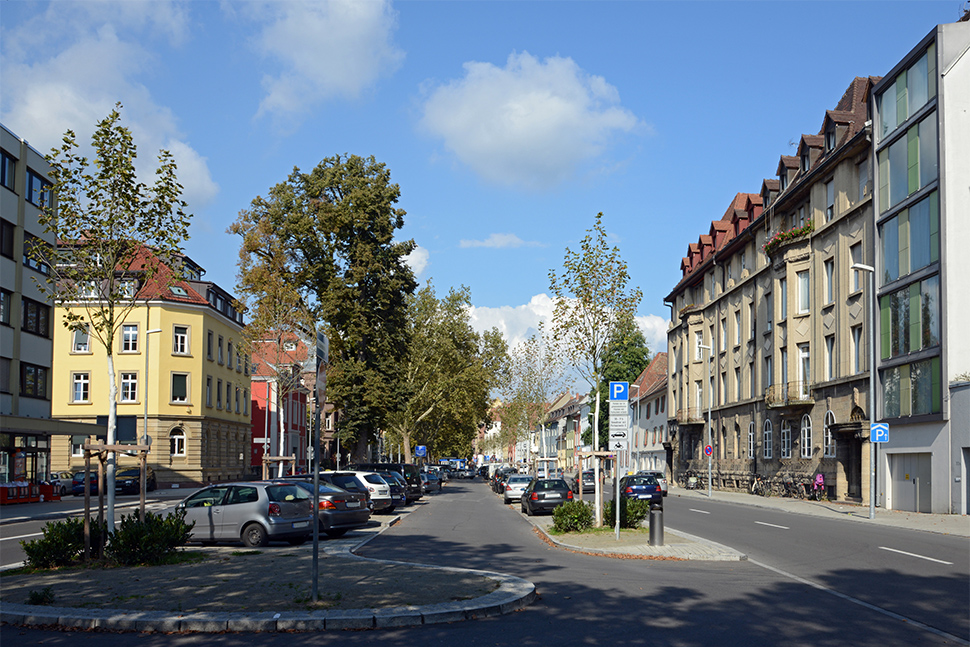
(809, 581)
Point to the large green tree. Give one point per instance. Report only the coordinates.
(447, 375)
(119, 240)
(591, 297)
(337, 224)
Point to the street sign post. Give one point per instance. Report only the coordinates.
(619, 435)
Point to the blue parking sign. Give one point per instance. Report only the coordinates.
(619, 390)
(421, 450)
(879, 432)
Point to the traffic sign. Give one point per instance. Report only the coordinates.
(879, 432)
(708, 450)
(618, 445)
(619, 407)
(619, 424)
(619, 391)
(421, 450)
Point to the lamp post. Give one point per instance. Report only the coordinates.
(872, 382)
(144, 436)
(710, 397)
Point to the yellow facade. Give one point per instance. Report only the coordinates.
(196, 437)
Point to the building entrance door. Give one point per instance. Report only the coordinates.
(909, 476)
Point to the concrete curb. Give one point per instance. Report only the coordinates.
(512, 594)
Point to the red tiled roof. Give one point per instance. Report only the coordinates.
(652, 376)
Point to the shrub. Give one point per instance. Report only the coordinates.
(61, 545)
(632, 512)
(46, 596)
(572, 516)
(148, 542)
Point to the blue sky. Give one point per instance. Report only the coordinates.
(507, 125)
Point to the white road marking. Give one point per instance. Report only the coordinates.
(861, 603)
(762, 523)
(36, 534)
(903, 552)
(699, 511)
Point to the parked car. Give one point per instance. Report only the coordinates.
(644, 487)
(399, 487)
(543, 495)
(380, 491)
(431, 482)
(589, 482)
(128, 480)
(347, 481)
(514, 487)
(339, 510)
(408, 470)
(77, 483)
(63, 482)
(498, 481)
(660, 476)
(254, 513)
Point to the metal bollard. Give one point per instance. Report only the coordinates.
(657, 527)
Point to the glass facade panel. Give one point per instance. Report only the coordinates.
(912, 389)
(911, 239)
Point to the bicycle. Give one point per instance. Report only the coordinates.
(792, 489)
(818, 488)
(760, 486)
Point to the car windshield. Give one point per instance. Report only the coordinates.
(128, 473)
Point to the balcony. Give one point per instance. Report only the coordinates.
(691, 416)
(789, 394)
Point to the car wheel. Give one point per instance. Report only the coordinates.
(335, 533)
(152, 485)
(522, 507)
(297, 541)
(506, 501)
(390, 510)
(528, 511)
(253, 536)
(63, 491)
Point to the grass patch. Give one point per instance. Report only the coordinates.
(605, 530)
(42, 597)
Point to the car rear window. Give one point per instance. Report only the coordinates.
(375, 479)
(520, 479)
(643, 480)
(286, 493)
(557, 484)
(347, 483)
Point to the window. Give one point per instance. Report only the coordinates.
(828, 438)
(830, 138)
(804, 300)
(180, 388)
(699, 395)
(829, 200)
(80, 387)
(830, 357)
(742, 260)
(752, 321)
(769, 311)
(38, 190)
(180, 340)
(769, 376)
(89, 290)
(856, 349)
(785, 439)
(229, 355)
(289, 345)
(129, 338)
(829, 267)
(910, 318)
(82, 343)
(737, 383)
(855, 253)
(862, 171)
(766, 440)
(751, 439)
(784, 370)
(128, 288)
(228, 396)
(222, 359)
(238, 362)
(208, 345)
(805, 442)
(129, 387)
(783, 298)
(913, 88)
(8, 170)
(6, 238)
(33, 380)
(908, 164)
(237, 400)
(911, 239)
(801, 215)
(698, 342)
(730, 274)
(218, 394)
(805, 370)
(723, 334)
(912, 389)
(35, 317)
(805, 160)
(34, 247)
(245, 402)
(5, 305)
(246, 365)
(737, 327)
(177, 442)
(77, 445)
(208, 390)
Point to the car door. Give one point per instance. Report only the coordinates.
(238, 509)
(205, 509)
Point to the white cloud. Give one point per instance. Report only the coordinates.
(499, 241)
(336, 48)
(517, 323)
(655, 331)
(531, 124)
(66, 69)
(417, 260)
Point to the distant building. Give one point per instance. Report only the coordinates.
(649, 443)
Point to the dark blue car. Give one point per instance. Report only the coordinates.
(642, 487)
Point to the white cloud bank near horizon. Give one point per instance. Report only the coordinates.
(532, 124)
(499, 241)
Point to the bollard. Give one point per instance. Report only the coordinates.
(657, 527)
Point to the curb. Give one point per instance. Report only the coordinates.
(513, 593)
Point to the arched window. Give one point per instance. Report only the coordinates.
(828, 439)
(177, 442)
(751, 440)
(786, 439)
(766, 440)
(805, 444)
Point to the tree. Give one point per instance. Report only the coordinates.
(119, 241)
(278, 314)
(448, 372)
(337, 225)
(625, 357)
(536, 375)
(591, 298)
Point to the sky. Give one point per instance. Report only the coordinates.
(507, 125)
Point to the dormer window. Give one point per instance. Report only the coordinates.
(783, 180)
(806, 161)
(830, 139)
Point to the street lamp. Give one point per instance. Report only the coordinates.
(872, 382)
(710, 396)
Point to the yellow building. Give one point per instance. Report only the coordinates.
(195, 382)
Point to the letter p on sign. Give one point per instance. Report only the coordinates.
(619, 390)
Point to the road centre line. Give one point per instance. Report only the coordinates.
(699, 511)
(772, 525)
(36, 534)
(903, 552)
(872, 607)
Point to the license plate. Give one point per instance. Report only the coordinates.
(553, 495)
(301, 524)
(353, 504)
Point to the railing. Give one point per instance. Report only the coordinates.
(693, 414)
(788, 393)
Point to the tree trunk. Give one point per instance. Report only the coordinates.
(281, 417)
(598, 507)
(111, 439)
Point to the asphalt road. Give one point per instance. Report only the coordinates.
(587, 600)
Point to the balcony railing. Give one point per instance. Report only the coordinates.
(692, 415)
(788, 394)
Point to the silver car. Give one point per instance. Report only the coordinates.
(661, 478)
(515, 486)
(253, 513)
